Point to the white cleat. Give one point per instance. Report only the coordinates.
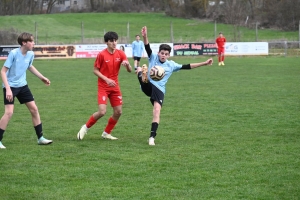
(108, 136)
(151, 141)
(83, 131)
(44, 141)
(2, 146)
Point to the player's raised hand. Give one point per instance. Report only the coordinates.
(144, 31)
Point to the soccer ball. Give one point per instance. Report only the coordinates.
(157, 73)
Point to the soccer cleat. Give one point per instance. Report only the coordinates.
(151, 141)
(44, 141)
(108, 136)
(2, 146)
(145, 73)
(222, 63)
(82, 132)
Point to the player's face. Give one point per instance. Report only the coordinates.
(29, 45)
(112, 44)
(137, 38)
(163, 55)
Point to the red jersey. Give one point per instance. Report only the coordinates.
(221, 42)
(109, 65)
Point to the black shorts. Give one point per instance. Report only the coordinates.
(152, 91)
(137, 58)
(23, 94)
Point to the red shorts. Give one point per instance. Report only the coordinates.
(221, 51)
(113, 94)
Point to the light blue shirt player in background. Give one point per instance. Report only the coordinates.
(13, 75)
(156, 89)
(137, 51)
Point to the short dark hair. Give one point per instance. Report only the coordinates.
(220, 33)
(24, 37)
(137, 35)
(110, 36)
(165, 47)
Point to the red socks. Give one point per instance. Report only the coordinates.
(91, 122)
(110, 125)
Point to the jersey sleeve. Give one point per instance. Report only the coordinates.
(10, 59)
(175, 66)
(98, 61)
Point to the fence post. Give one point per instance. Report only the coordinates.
(299, 33)
(256, 32)
(82, 37)
(215, 29)
(128, 37)
(285, 48)
(172, 37)
(36, 36)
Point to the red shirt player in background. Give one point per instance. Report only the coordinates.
(106, 67)
(220, 41)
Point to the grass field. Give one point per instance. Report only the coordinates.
(71, 28)
(226, 133)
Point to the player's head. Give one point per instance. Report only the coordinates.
(110, 36)
(137, 37)
(26, 39)
(221, 34)
(164, 52)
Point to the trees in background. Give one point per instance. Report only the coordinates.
(282, 14)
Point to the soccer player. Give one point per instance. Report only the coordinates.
(220, 41)
(13, 74)
(106, 67)
(156, 89)
(137, 51)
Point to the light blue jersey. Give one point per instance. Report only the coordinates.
(137, 48)
(17, 65)
(169, 66)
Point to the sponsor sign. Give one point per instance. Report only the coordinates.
(194, 49)
(4, 51)
(89, 51)
(54, 51)
(246, 48)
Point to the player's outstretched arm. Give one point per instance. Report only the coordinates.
(145, 35)
(207, 62)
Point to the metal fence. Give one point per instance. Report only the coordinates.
(284, 48)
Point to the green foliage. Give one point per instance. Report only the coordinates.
(66, 28)
(227, 132)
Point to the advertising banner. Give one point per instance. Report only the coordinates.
(4, 51)
(194, 49)
(246, 48)
(89, 51)
(54, 51)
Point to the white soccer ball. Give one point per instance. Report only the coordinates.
(157, 73)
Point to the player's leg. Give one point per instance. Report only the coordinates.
(219, 56)
(25, 97)
(102, 101)
(223, 56)
(135, 62)
(9, 109)
(145, 86)
(156, 99)
(37, 124)
(116, 102)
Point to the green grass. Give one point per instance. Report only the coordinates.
(226, 133)
(66, 28)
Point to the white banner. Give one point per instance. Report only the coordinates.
(246, 48)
